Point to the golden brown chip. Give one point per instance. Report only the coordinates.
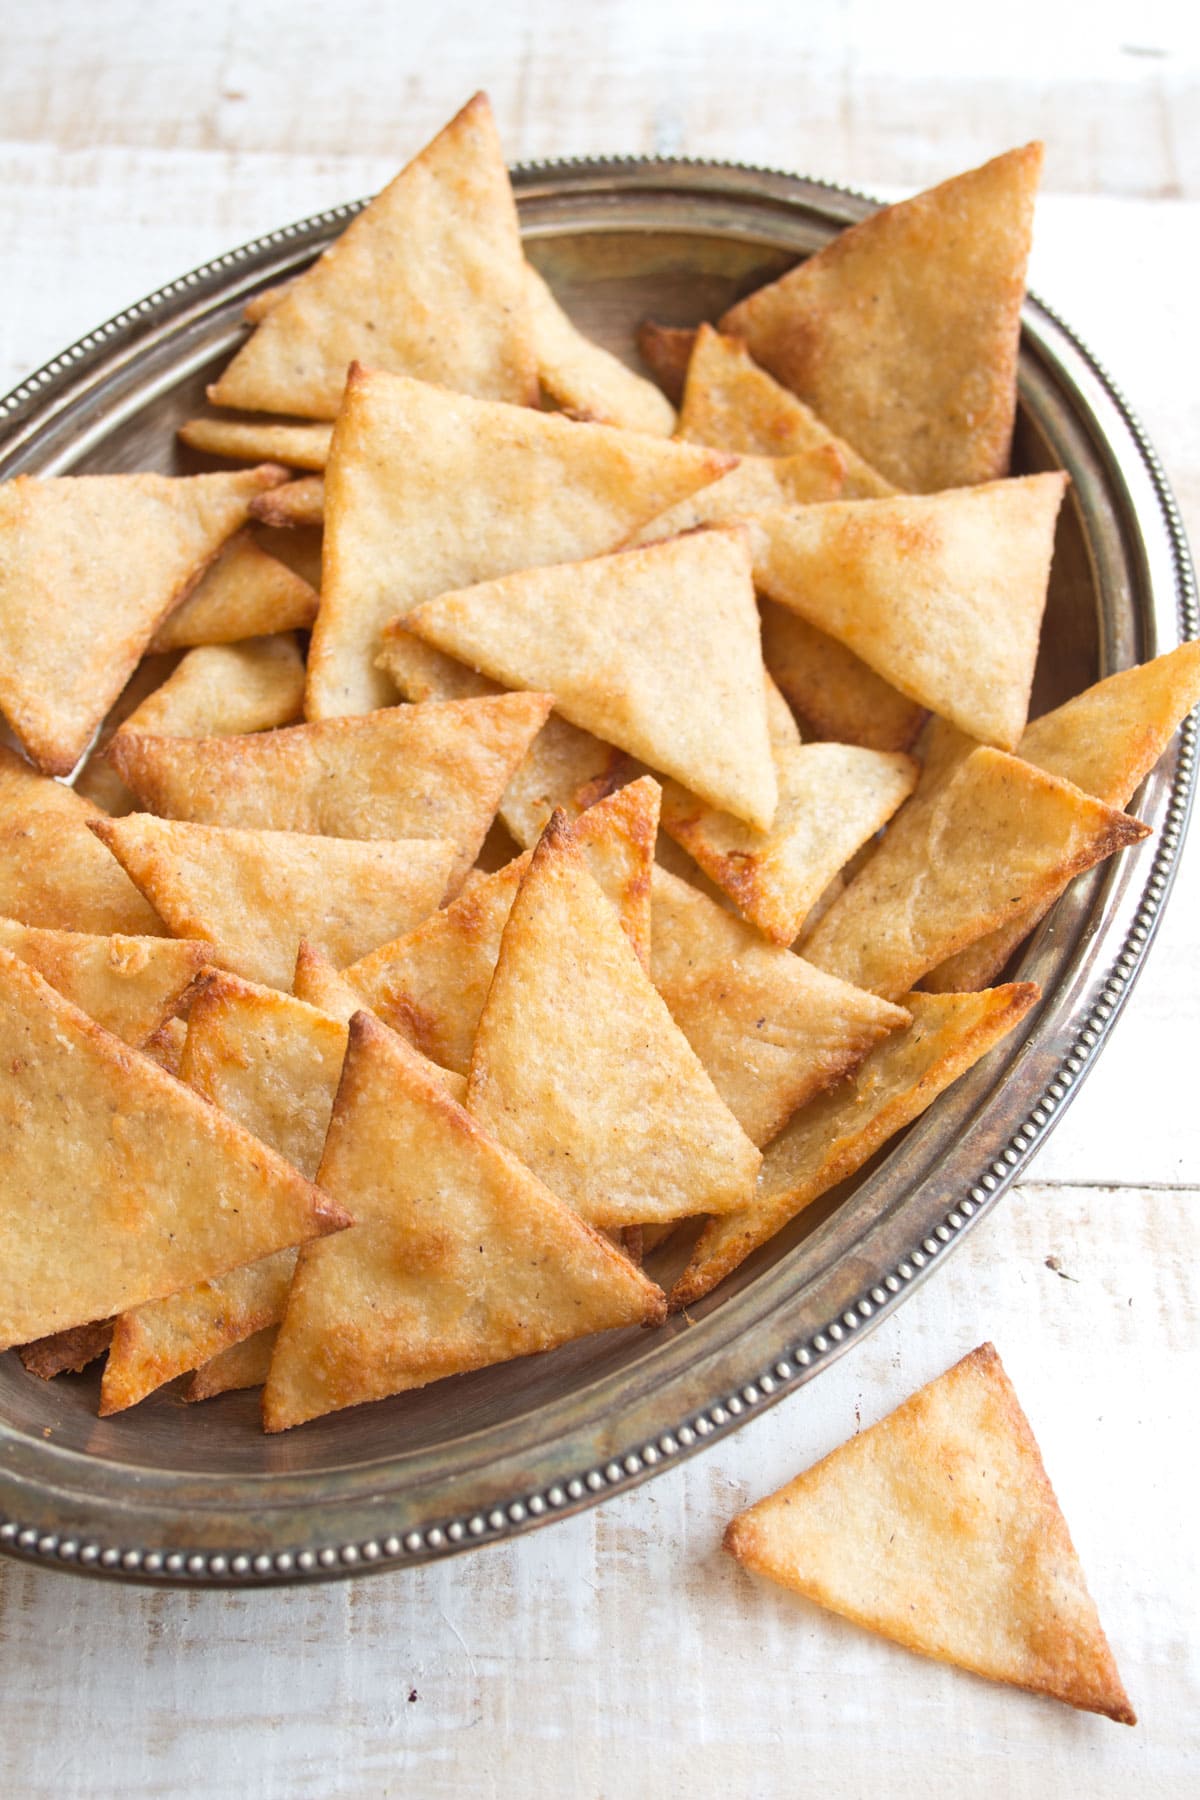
(317, 981)
(118, 1185)
(297, 503)
(243, 1365)
(428, 280)
(833, 1136)
(165, 1046)
(585, 380)
(941, 594)
(938, 1528)
(66, 1352)
(260, 304)
(127, 984)
(459, 1258)
(834, 691)
(52, 870)
(655, 650)
(252, 895)
(666, 351)
(580, 1069)
(245, 594)
(105, 557)
(732, 404)
(430, 491)
(996, 837)
(758, 484)
(771, 1030)
(902, 333)
(259, 440)
(436, 770)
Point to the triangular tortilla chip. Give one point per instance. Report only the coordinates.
(243, 1365)
(585, 380)
(428, 280)
(1106, 741)
(666, 351)
(758, 484)
(732, 404)
(902, 333)
(259, 440)
(244, 594)
(52, 870)
(832, 799)
(832, 1137)
(655, 650)
(580, 1069)
(259, 305)
(833, 690)
(127, 984)
(317, 981)
(66, 1352)
(96, 778)
(994, 838)
(118, 1185)
(938, 1528)
(436, 770)
(106, 557)
(431, 985)
(429, 491)
(295, 504)
(771, 1030)
(460, 1257)
(253, 895)
(941, 594)
(165, 1046)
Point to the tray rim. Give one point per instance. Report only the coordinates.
(29, 407)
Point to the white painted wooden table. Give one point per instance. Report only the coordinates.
(620, 1654)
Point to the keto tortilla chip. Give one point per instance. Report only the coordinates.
(941, 594)
(758, 484)
(833, 690)
(165, 1046)
(118, 1185)
(259, 440)
(585, 380)
(666, 351)
(66, 1352)
(431, 985)
(297, 503)
(428, 280)
(245, 594)
(831, 1138)
(252, 895)
(243, 1365)
(1106, 740)
(460, 1257)
(430, 491)
(106, 557)
(655, 650)
(579, 1068)
(732, 404)
(52, 870)
(938, 1528)
(771, 1030)
(832, 799)
(130, 985)
(902, 333)
(317, 981)
(436, 770)
(994, 838)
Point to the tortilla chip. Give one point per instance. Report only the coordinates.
(938, 1528)
(436, 771)
(106, 557)
(297, 503)
(245, 594)
(52, 870)
(994, 838)
(252, 895)
(580, 1069)
(837, 1133)
(165, 1046)
(832, 799)
(902, 333)
(430, 491)
(460, 1258)
(259, 305)
(1106, 741)
(243, 1365)
(585, 380)
(771, 1030)
(66, 1352)
(655, 650)
(758, 484)
(666, 351)
(118, 1184)
(732, 404)
(259, 440)
(317, 981)
(431, 985)
(834, 691)
(428, 280)
(96, 779)
(127, 984)
(941, 594)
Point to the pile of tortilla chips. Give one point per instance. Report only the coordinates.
(506, 830)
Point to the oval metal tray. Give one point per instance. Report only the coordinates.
(197, 1494)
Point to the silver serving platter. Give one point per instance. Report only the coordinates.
(171, 1493)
